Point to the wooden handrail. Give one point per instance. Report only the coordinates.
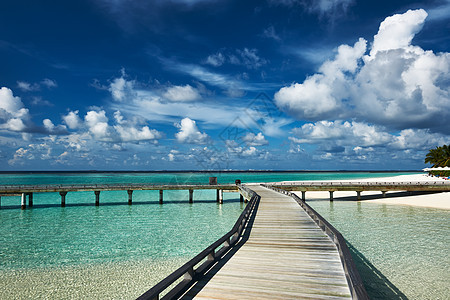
(212, 253)
(354, 281)
(108, 187)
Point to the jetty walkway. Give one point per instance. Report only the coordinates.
(303, 186)
(285, 250)
(287, 256)
(27, 190)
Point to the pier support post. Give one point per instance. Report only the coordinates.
(220, 196)
(97, 198)
(30, 199)
(130, 197)
(191, 196)
(241, 198)
(160, 196)
(384, 194)
(217, 195)
(23, 203)
(304, 195)
(358, 195)
(63, 198)
(331, 195)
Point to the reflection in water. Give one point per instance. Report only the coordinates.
(358, 205)
(60, 247)
(401, 251)
(331, 210)
(376, 284)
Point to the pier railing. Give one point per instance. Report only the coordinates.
(14, 189)
(363, 186)
(189, 273)
(354, 281)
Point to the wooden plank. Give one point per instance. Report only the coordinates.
(287, 256)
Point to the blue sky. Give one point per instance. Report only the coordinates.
(215, 84)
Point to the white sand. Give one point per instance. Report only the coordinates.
(437, 200)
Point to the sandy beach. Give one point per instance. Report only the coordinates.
(434, 200)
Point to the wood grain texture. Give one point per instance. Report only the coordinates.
(286, 256)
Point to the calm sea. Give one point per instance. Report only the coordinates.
(117, 251)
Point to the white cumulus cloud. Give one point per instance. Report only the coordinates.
(397, 31)
(361, 136)
(123, 131)
(132, 134)
(397, 84)
(184, 93)
(97, 123)
(122, 89)
(72, 119)
(342, 133)
(189, 133)
(252, 139)
(13, 114)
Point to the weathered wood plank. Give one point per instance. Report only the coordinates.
(285, 257)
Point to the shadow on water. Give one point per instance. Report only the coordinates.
(379, 196)
(4, 207)
(376, 284)
(199, 285)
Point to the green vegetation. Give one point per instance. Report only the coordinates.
(439, 157)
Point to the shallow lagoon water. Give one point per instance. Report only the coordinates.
(114, 251)
(400, 251)
(117, 251)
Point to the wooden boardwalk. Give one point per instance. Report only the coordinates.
(286, 256)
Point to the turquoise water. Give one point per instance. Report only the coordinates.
(400, 251)
(117, 251)
(181, 178)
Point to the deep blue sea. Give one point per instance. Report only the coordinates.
(118, 251)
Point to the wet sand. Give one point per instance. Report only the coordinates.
(121, 280)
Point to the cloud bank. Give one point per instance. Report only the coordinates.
(396, 84)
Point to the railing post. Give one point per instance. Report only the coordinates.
(358, 195)
(30, 199)
(211, 256)
(160, 196)
(189, 275)
(130, 197)
(23, 203)
(63, 198)
(217, 195)
(97, 198)
(191, 196)
(304, 195)
(220, 196)
(331, 195)
(241, 198)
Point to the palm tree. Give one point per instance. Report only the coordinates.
(439, 157)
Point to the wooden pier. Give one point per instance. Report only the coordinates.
(286, 251)
(331, 186)
(359, 187)
(25, 191)
(287, 256)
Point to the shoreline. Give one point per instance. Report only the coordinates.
(432, 200)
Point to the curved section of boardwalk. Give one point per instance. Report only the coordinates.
(287, 256)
